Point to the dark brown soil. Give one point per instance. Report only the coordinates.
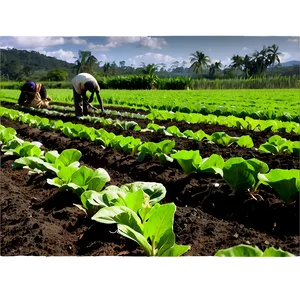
(36, 219)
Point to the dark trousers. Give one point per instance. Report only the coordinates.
(81, 107)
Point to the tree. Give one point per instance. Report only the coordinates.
(86, 62)
(107, 69)
(199, 61)
(149, 69)
(57, 75)
(237, 62)
(214, 68)
(273, 54)
(122, 64)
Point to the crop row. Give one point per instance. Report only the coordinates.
(275, 144)
(244, 176)
(245, 122)
(262, 104)
(133, 207)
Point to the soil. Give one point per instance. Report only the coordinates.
(37, 219)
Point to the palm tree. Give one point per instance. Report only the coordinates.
(261, 60)
(237, 62)
(149, 69)
(199, 61)
(86, 62)
(214, 68)
(273, 54)
(107, 68)
(247, 65)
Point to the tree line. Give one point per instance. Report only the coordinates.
(21, 65)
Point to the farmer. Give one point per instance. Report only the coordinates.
(34, 95)
(82, 83)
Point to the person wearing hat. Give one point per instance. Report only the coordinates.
(34, 95)
(82, 83)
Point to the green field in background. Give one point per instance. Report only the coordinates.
(272, 100)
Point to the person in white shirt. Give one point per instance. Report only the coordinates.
(82, 83)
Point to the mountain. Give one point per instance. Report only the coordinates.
(19, 64)
(290, 63)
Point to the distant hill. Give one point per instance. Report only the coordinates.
(290, 63)
(19, 64)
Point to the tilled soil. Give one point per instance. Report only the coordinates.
(36, 219)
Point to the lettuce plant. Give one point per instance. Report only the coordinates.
(112, 195)
(242, 175)
(189, 160)
(249, 251)
(223, 139)
(286, 183)
(160, 150)
(150, 227)
(80, 179)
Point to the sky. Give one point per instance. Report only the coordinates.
(135, 50)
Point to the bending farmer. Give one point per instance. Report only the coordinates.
(34, 95)
(82, 83)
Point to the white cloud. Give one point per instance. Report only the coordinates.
(294, 37)
(284, 56)
(78, 41)
(153, 43)
(245, 49)
(61, 54)
(118, 41)
(153, 58)
(33, 42)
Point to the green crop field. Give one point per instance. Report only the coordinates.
(280, 104)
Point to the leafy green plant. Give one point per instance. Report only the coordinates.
(249, 251)
(115, 196)
(223, 139)
(242, 175)
(160, 150)
(16, 147)
(150, 227)
(189, 160)
(286, 183)
(52, 162)
(80, 179)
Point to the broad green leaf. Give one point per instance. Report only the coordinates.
(176, 250)
(30, 150)
(257, 166)
(34, 163)
(122, 215)
(159, 223)
(134, 200)
(55, 181)
(51, 156)
(189, 160)
(272, 252)
(268, 148)
(136, 236)
(276, 140)
(212, 164)
(245, 141)
(65, 173)
(98, 180)
(240, 251)
(174, 130)
(67, 157)
(82, 176)
(223, 139)
(155, 190)
(238, 175)
(92, 202)
(286, 183)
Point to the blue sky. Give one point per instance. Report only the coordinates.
(152, 49)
